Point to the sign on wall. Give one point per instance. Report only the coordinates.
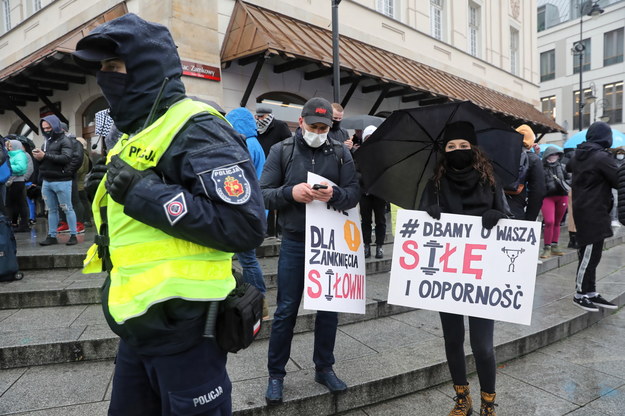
(193, 69)
(334, 258)
(454, 265)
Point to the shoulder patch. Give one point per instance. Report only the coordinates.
(175, 208)
(231, 185)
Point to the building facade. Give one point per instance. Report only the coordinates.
(561, 29)
(394, 54)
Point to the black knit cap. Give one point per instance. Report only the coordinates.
(459, 130)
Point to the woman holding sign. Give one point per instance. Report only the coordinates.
(464, 183)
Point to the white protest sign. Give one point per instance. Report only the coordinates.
(335, 260)
(454, 265)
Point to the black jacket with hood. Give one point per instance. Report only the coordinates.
(55, 165)
(203, 144)
(594, 175)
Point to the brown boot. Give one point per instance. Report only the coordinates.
(464, 404)
(488, 404)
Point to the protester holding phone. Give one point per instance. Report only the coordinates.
(285, 188)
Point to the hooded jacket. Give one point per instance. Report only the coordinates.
(19, 157)
(150, 55)
(204, 144)
(243, 122)
(555, 170)
(55, 165)
(594, 175)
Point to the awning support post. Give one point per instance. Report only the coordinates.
(253, 79)
(380, 99)
(350, 92)
(19, 113)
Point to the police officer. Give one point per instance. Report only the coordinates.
(179, 196)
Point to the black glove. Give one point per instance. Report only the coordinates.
(95, 177)
(434, 211)
(490, 218)
(121, 178)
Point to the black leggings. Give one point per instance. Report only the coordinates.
(481, 335)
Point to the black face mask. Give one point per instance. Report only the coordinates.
(336, 125)
(460, 159)
(113, 85)
(47, 134)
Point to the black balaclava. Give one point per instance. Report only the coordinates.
(149, 53)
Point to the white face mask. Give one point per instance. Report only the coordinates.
(620, 156)
(314, 139)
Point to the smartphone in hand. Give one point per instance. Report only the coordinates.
(318, 186)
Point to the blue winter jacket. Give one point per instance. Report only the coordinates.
(243, 121)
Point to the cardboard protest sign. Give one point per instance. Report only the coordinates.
(335, 260)
(454, 265)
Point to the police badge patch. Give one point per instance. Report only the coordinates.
(231, 185)
(175, 208)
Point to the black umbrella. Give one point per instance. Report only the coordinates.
(399, 157)
(359, 122)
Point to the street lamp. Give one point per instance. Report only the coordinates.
(336, 65)
(603, 103)
(578, 48)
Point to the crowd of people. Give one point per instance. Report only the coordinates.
(220, 183)
(48, 179)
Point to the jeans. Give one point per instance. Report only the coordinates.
(290, 288)
(57, 194)
(2, 197)
(252, 273)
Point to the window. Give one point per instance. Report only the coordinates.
(613, 102)
(541, 18)
(548, 65)
(613, 47)
(585, 57)
(474, 29)
(585, 109)
(386, 7)
(548, 105)
(514, 51)
(436, 18)
(36, 5)
(6, 11)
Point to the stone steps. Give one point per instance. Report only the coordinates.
(386, 353)
(379, 359)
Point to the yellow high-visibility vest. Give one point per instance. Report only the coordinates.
(150, 266)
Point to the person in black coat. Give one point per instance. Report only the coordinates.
(464, 183)
(270, 131)
(594, 175)
(525, 204)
